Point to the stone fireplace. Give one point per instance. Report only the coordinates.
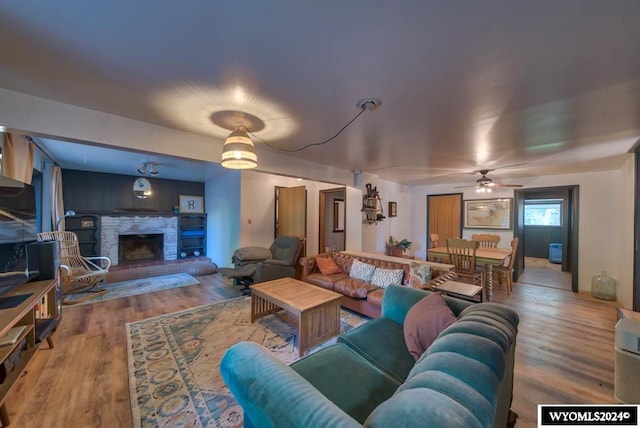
(112, 228)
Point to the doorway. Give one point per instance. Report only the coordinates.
(332, 215)
(291, 214)
(546, 223)
(444, 217)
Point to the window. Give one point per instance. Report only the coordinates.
(543, 212)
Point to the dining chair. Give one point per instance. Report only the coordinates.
(434, 241)
(504, 272)
(486, 240)
(462, 254)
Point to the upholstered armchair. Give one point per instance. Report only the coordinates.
(285, 252)
(258, 264)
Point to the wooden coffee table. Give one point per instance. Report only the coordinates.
(316, 309)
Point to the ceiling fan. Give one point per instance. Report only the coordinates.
(485, 184)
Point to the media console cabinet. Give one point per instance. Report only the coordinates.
(39, 322)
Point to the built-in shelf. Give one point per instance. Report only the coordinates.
(192, 235)
(86, 227)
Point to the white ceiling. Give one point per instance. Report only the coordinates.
(551, 85)
(86, 157)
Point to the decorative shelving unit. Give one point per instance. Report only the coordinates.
(86, 227)
(192, 235)
(372, 206)
(372, 209)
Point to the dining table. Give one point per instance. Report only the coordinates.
(489, 257)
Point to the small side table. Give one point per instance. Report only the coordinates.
(461, 290)
(627, 313)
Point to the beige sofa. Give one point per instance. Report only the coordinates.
(361, 296)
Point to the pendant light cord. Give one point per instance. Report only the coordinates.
(366, 105)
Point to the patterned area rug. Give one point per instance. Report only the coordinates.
(115, 290)
(173, 361)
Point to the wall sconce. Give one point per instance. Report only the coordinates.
(142, 188)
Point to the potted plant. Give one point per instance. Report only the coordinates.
(397, 247)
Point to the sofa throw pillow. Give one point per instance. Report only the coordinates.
(383, 277)
(327, 266)
(424, 322)
(420, 274)
(361, 271)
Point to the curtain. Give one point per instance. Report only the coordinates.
(57, 205)
(17, 157)
(445, 217)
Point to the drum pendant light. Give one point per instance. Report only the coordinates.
(238, 151)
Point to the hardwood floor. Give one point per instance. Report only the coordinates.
(564, 355)
(565, 349)
(544, 273)
(83, 380)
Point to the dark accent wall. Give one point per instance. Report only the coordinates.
(99, 192)
(538, 238)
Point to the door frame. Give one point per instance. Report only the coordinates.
(460, 229)
(322, 223)
(570, 237)
(636, 234)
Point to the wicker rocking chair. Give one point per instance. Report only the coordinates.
(78, 274)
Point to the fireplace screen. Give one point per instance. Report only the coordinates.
(135, 248)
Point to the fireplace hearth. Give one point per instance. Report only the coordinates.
(140, 247)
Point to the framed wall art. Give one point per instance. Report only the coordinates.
(488, 213)
(393, 209)
(191, 204)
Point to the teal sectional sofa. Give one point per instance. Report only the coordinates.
(368, 378)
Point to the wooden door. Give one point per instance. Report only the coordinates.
(444, 217)
(291, 213)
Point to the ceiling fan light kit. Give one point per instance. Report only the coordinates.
(486, 184)
(484, 189)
